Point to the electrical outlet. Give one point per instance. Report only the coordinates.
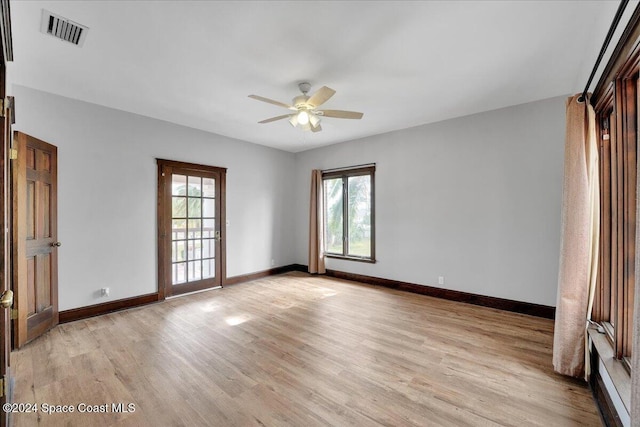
(273, 262)
(104, 292)
(440, 280)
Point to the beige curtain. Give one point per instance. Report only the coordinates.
(316, 224)
(579, 240)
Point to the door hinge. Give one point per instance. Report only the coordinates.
(3, 386)
(13, 315)
(13, 153)
(6, 103)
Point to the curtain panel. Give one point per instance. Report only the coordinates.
(579, 240)
(316, 224)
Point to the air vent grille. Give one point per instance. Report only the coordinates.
(63, 28)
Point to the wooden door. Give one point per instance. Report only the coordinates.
(191, 219)
(36, 243)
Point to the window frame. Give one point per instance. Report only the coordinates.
(616, 131)
(344, 174)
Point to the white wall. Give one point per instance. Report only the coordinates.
(107, 194)
(475, 199)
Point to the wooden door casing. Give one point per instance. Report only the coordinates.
(6, 53)
(6, 267)
(35, 238)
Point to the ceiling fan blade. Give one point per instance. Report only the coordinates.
(321, 96)
(273, 119)
(340, 114)
(317, 128)
(272, 101)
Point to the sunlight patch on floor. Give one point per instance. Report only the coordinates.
(208, 308)
(326, 292)
(236, 320)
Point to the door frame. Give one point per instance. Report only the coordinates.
(7, 113)
(165, 287)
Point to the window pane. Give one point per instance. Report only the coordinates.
(178, 185)
(179, 207)
(208, 268)
(208, 227)
(209, 207)
(194, 249)
(178, 251)
(195, 270)
(333, 215)
(208, 248)
(194, 229)
(179, 273)
(194, 207)
(208, 187)
(178, 229)
(195, 186)
(359, 193)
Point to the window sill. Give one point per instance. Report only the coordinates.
(350, 258)
(615, 368)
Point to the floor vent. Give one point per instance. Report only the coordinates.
(63, 28)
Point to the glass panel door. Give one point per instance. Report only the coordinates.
(192, 202)
(193, 228)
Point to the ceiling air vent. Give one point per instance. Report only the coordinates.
(63, 28)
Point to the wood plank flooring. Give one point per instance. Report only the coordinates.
(297, 350)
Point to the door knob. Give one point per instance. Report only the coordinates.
(56, 244)
(6, 299)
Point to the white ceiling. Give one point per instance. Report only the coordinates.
(401, 63)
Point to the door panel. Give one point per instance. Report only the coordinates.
(35, 238)
(190, 231)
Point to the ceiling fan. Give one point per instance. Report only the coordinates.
(306, 113)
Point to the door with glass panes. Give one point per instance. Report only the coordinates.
(190, 226)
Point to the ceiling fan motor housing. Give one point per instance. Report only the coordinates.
(304, 87)
(300, 102)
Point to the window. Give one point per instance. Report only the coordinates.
(616, 132)
(349, 213)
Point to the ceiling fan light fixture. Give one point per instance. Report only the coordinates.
(293, 120)
(303, 117)
(314, 120)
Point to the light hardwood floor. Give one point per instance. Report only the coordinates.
(302, 351)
